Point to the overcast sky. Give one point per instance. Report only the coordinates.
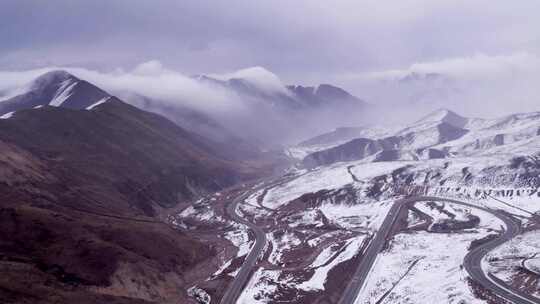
(302, 41)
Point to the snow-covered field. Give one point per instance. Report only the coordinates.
(328, 178)
(280, 244)
(425, 267)
(309, 237)
(262, 285)
(240, 239)
(266, 284)
(328, 260)
(363, 216)
(436, 278)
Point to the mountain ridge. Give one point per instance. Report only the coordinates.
(440, 134)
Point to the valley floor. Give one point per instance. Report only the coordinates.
(319, 223)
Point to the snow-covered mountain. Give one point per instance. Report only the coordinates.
(55, 88)
(277, 95)
(441, 134)
(62, 89)
(277, 114)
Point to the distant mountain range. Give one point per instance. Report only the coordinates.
(292, 97)
(441, 134)
(284, 114)
(270, 115)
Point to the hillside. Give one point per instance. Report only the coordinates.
(84, 195)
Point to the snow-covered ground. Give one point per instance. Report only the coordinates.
(265, 283)
(281, 243)
(327, 260)
(333, 139)
(507, 261)
(240, 239)
(327, 178)
(328, 228)
(200, 295)
(521, 202)
(436, 278)
(434, 259)
(363, 216)
(443, 211)
(201, 213)
(7, 115)
(261, 286)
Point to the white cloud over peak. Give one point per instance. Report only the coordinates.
(257, 76)
(476, 67)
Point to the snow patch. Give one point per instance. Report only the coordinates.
(316, 282)
(7, 115)
(103, 100)
(64, 92)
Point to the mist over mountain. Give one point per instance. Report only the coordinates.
(256, 108)
(440, 134)
(269, 152)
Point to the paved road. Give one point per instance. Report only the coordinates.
(376, 245)
(241, 279)
(472, 260)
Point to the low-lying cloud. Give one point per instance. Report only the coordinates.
(244, 115)
(478, 85)
(149, 79)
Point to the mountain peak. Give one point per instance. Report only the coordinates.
(330, 91)
(445, 115)
(55, 88)
(51, 78)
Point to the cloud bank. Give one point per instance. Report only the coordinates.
(150, 79)
(478, 85)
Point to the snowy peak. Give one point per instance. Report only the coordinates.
(441, 134)
(55, 88)
(445, 116)
(52, 78)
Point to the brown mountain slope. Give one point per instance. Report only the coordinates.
(81, 194)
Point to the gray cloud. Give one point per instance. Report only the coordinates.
(479, 85)
(303, 41)
(294, 39)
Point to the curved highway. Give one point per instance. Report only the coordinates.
(241, 279)
(375, 246)
(472, 261)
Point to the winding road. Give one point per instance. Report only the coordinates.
(472, 261)
(242, 277)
